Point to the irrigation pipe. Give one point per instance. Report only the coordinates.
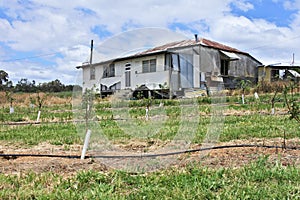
(35, 123)
(13, 156)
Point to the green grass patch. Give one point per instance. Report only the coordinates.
(258, 126)
(34, 134)
(259, 180)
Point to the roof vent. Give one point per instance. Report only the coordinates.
(196, 38)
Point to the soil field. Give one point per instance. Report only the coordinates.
(219, 158)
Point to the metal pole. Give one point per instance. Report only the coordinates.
(91, 56)
(170, 77)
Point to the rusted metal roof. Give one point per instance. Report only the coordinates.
(187, 43)
(177, 45)
(220, 46)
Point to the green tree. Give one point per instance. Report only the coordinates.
(24, 85)
(245, 85)
(3, 78)
(292, 103)
(52, 86)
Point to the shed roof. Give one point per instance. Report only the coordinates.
(294, 73)
(282, 66)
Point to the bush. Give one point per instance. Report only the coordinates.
(267, 87)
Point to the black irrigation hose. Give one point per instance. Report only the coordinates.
(22, 123)
(13, 156)
(196, 150)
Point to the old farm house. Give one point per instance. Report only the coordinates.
(174, 68)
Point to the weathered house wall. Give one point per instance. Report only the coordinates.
(207, 67)
(138, 78)
(209, 60)
(134, 68)
(244, 67)
(184, 68)
(87, 81)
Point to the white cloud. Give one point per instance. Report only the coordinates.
(243, 5)
(260, 38)
(49, 25)
(46, 31)
(291, 5)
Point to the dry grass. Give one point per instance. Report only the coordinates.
(25, 99)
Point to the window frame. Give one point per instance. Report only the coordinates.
(175, 62)
(149, 65)
(224, 69)
(274, 74)
(92, 73)
(109, 71)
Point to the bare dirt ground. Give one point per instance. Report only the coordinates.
(238, 157)
(226, 158)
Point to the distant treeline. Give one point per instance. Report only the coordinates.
(24, 85)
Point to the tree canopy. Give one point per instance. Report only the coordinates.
(3, 77)
(25, 85)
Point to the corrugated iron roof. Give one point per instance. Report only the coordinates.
(180, 44)
(187, 43)
(219, 46)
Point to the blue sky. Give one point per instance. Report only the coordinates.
(46, 40)
(269, 10)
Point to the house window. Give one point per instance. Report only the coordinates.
(92, 73)
(149, 66)
(109, 71)
(167, 62)
(175, 62)
(186, 69)
(172, 60)
(224, 67)
(274, 75)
